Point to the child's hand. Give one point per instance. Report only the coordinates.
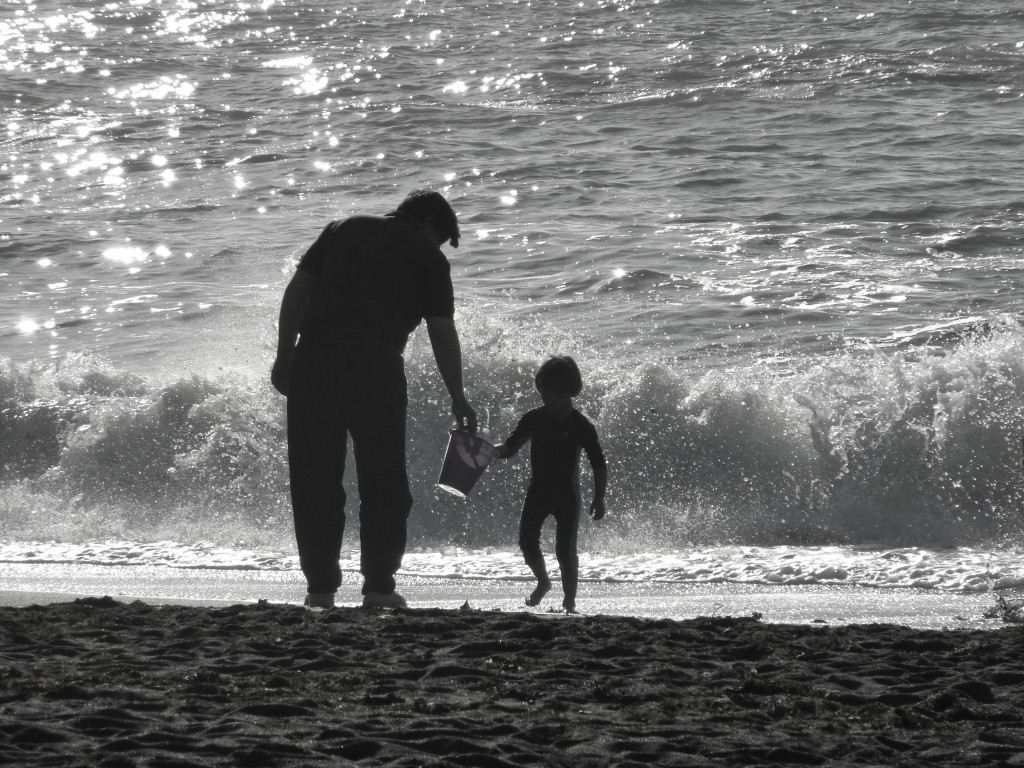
(597, 509)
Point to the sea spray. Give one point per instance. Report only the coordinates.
(911, 447)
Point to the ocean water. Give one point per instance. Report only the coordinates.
(783, 241)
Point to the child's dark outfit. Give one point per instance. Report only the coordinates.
(554, 486)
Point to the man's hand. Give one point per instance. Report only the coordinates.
(279, 374)
(465, 416)
(293, 307)
(597, 509)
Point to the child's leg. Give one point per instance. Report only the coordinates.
(567, 525)
(530, 524)
(540, 570)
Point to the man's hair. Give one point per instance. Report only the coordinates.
(427, 205)
(560, 372)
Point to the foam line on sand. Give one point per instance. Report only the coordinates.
(22, 584)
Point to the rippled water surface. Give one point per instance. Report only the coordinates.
(783, 241)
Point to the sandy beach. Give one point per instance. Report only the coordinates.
(99, 681)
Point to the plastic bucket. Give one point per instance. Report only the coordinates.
(465, 460)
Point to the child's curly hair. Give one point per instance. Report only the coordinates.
(560, 372)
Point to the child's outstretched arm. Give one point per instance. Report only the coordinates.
(518, 438)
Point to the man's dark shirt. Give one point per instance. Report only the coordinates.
(377, 278)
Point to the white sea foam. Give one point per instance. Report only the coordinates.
(961, 570)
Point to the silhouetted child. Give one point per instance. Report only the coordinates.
(557, 432)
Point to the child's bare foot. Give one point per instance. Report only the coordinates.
(570, 606)
(538, 594)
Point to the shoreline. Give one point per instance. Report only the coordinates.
(24, 584)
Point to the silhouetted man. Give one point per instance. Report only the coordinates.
(356, 296)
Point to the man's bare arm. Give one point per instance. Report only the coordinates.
(444, 340)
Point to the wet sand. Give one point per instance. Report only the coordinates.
(26, 583)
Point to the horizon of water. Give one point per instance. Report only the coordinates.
(783, 242)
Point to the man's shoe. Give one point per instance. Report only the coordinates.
(380, 600)
(319, 600)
